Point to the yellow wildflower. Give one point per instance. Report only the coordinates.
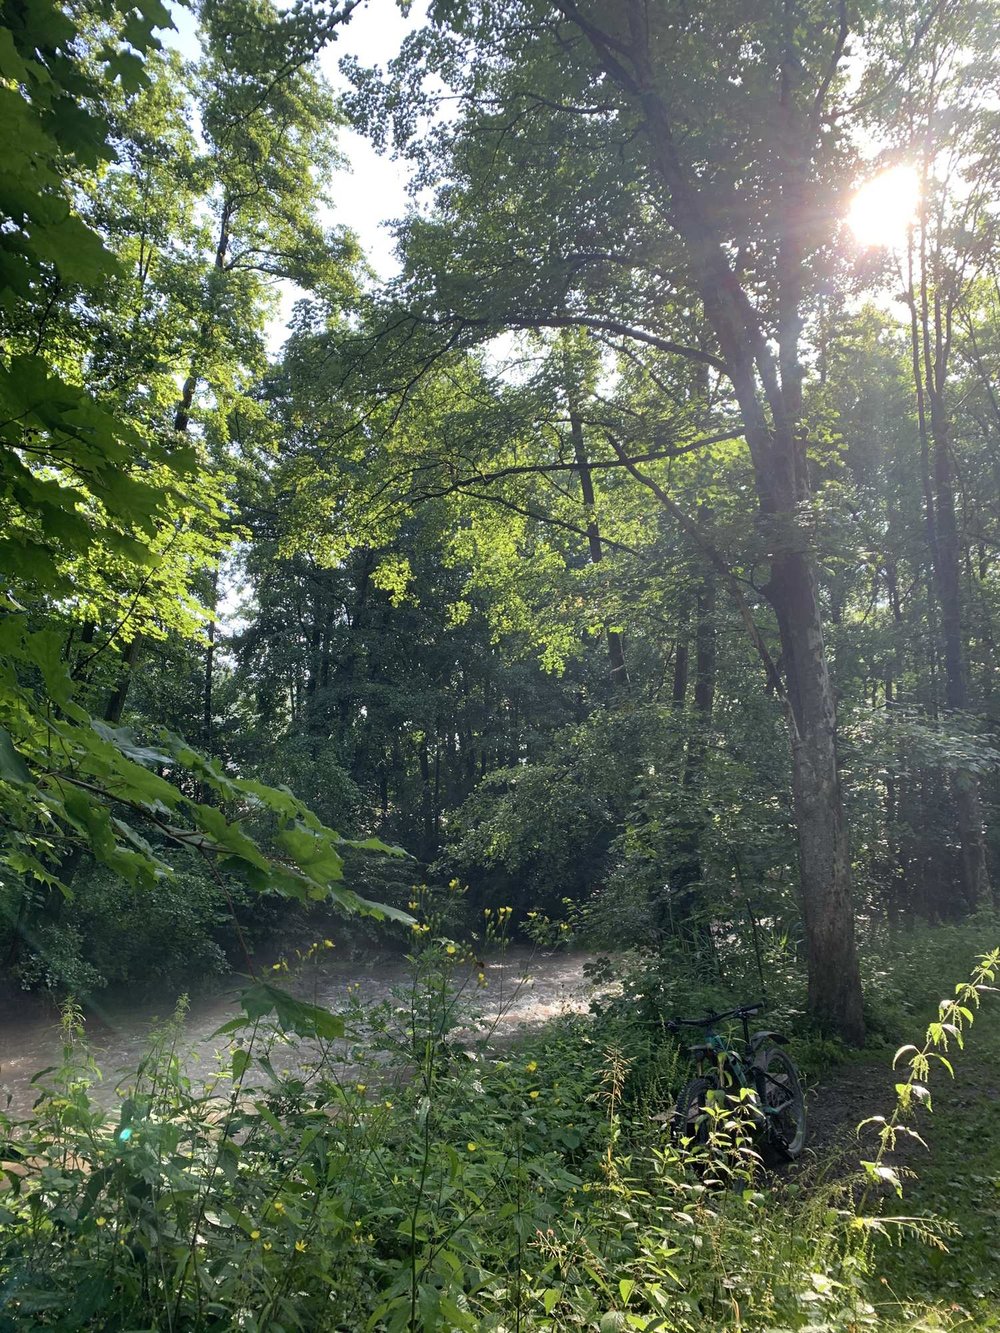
(101, 1221)
(361, 1087)
(472, 1146)
(300, 1245)
(531, 1066)
(533, 1095)
(255, 1235)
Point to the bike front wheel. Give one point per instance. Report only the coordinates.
(784, 1100)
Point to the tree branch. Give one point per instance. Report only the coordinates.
(720, 565)
(600, 324)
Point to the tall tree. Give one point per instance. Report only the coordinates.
(81, 479)
(689, 209)
(948, 124)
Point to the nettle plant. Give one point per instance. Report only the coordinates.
(955, 1016)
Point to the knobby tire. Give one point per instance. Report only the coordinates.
(780, 1083)
(690, 1118)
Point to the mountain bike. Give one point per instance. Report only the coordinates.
(727, 1065)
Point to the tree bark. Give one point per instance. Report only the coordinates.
(207, 723)
(679, 684)
(824, 855)
(898, 905)
(116, 702)
(768, 392)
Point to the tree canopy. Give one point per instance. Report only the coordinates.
(633, 542)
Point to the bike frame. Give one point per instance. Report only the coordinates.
(729, 1060)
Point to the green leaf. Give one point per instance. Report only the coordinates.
(293, 1015)
(313, 852)
(12, 766)
(124, 740)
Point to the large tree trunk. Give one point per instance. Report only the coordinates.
(768, 391)
(824, 852)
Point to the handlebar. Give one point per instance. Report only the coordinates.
(710, 1020)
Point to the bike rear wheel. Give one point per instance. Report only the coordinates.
(781, 1091)
(692, 1121)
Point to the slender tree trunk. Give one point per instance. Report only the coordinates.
(930, 347)
(182, 415)
(436, 810)
(207, 723)
(182, 418)
(616, 647)
(679, 685)
(116, 702)
(688, 872)
(345, 676)
(897, 889)
(964, 784)
(427, 799)
(315, 641)
(704, 654)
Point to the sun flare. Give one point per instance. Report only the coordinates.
(884, 208)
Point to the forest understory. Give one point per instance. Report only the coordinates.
(531, 1175)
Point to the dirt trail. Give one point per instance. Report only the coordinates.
(840, 1101)
(851, 1093)
(524, 988)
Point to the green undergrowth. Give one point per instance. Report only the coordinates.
(418, 1175)
(957, 1176)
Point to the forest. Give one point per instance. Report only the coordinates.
(601, 595)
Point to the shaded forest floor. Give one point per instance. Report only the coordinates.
(956, 1177)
